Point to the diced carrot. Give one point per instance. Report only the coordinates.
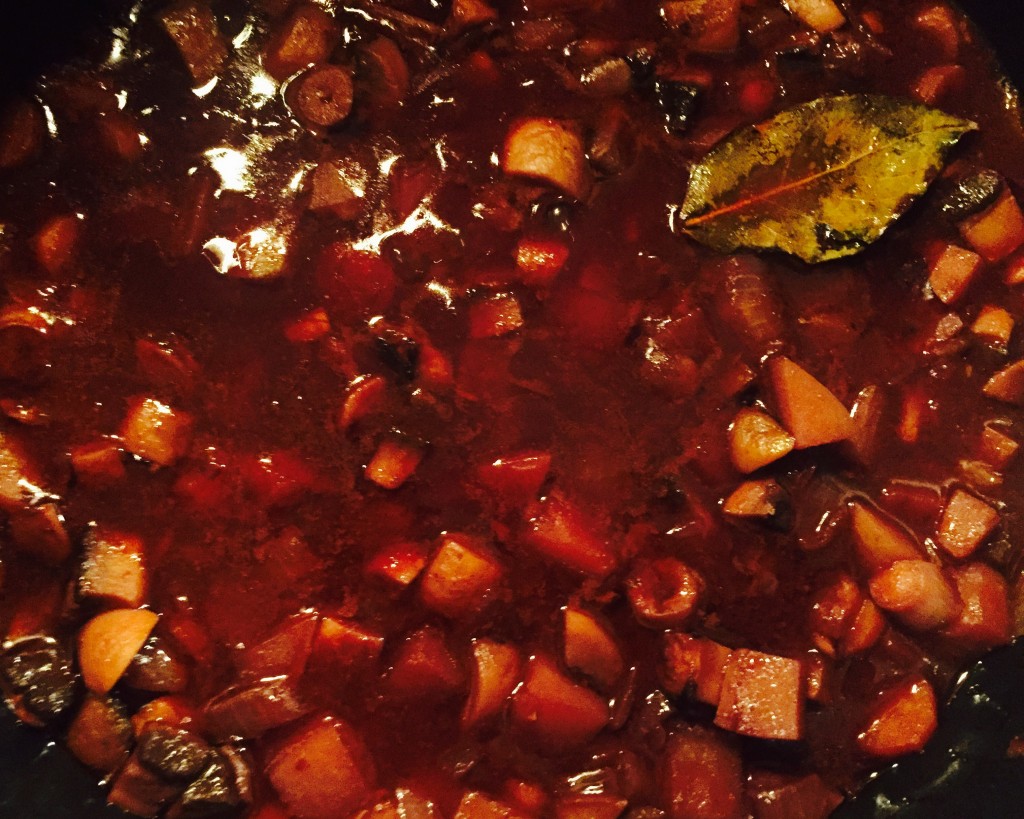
(1007, 385)
(310, 326)
(590, 647)
(393, 463)
(108, 642)
(880, 541)
(398, 564)
(539, 260)
(496, 316)
(701, 776)
(98, 462)
(554, 711)
(664, 593)
(100, 734)
(475, 805)
(821, 15)
(966, 522)
(561, 533)
(366, 396)
(114, 571)
(903, 720)
(938, 82)
(346, 644)
(694, 659)
(985, 617)
(917, 592)
(951, 272)
(423, 668)
(496, 669)
(56, 242)
(593, 806)
(811, 413)
(754, 499)
(998, 230)
(517, 478)
(548, 150)
(156, 432)
(322, 771)
(756, 440)
(461, 578)
(762, 696)
(997, 448)
(994, 325)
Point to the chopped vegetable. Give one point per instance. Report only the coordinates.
(108, 643)
(548, 150)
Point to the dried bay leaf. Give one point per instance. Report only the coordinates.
(821, 180)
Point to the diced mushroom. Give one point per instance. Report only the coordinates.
(393, 463)
(156, 432)
(108, 643)
(156, 669)
(193, 29)
(461, 579)
(762, 696)
(213, 792)
(966, 522)
(998, 230)
(140, 791)
(917, 592)
(664, 593)
(322, 96)
(100, 735)
(756, 440)
(951, 271)
(880, 541)
(561, 533)
(113, 570)
(590, 647)
(249, 711)
(554, 711)
(323, 770)
(902, 721)
(496, 673)
(811, 413)
(174, 754)
(701, 775)
(40, 673)
(548, 150)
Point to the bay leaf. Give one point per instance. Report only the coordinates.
(821, 180)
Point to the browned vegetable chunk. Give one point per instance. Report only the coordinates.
(113, 571)
(193, 28)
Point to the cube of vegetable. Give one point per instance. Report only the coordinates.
(393, 463)
(310, 326)
(193, 29)
(664, 593)
(461, 579)
(713, 26)
(590, 806)
(1007, 385)
(156, 432)
(951, 272)
(984, 618)
(56, 242)
(339, 186)
(100, 734)
(903, 720)
(249, 711)
(496, 668)
(701, 776)
(346, 644)
(997, 448)
(938, 82)
(864, 630)
(399, 564)
(879, 540)
(555, 712)
(834, 607)
(366, 396)
(777, 796)
(284, 652)
(590, 647)
(756, 440)
(423, 668)
(811, 413)
(516, 478)
(98, 463)
(966, 522)
(694, 659)
(108, 642)
(548, 150)
(998, 230)
(762, 696)
(475, 805)
(917, 592)
(322, 771)
(821, 15)
(307, 37)
(113, 571)
(540, 260)
(754, 499)
(994, 325)
(561, 533)
(496, 316)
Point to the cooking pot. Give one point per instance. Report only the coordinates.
(964, 772)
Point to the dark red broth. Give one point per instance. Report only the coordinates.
(350, 469)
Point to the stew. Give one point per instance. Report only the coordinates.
(564, 408)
